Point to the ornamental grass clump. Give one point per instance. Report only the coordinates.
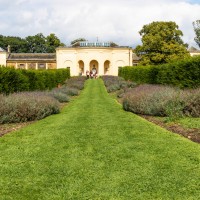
(26, 106)
(154, 100)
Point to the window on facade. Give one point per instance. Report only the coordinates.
(41, 66)
(21, 66)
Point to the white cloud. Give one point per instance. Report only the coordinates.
(110, 20)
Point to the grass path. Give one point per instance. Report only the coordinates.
(95, 150)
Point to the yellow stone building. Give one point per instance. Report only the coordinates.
(86, 56)
(101, 56)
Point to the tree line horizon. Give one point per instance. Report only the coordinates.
(161, 43)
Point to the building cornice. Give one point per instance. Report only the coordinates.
(87, 48)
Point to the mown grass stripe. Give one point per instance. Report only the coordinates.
(95, 150)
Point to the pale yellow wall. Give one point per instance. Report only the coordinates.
(195, 54)
(3, 57)
(70, 57)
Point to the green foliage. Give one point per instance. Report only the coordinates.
(196, 26)
(15, 80)
(95, 150)
(31, 44)
(17, 44)
(12, 80)
(52, 42)
(36, 44)
(161, 43)
(189, 122)
(184, 74)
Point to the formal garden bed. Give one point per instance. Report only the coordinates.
(22, 108)
(165, 106)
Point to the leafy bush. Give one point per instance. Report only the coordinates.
(26, 106)
(184, 73)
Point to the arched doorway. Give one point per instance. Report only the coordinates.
(106, 67)
(94, 65)
(81, 67)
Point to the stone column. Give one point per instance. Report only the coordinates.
(86, 66)
(100, 68)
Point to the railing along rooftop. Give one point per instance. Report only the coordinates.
(95, 44)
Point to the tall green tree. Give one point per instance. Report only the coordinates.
(31, 44)
(36, 43)
(52, 42)
(196, 26)
(161, 43)
(17, 44)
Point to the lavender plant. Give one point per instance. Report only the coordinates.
(26, 106)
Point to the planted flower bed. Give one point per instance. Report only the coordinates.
(30, 106)
(162, 105)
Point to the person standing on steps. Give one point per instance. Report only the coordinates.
(87, 74)
(91, 74)
(94, 72)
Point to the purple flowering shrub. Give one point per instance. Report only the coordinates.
(115, 83)
(26, 106)
(160, 100)
(30, 106)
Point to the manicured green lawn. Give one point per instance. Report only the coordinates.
(95, 150)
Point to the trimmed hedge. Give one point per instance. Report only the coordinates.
(16, 80)
(184, 73)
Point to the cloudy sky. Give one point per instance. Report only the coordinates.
(109, 20)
